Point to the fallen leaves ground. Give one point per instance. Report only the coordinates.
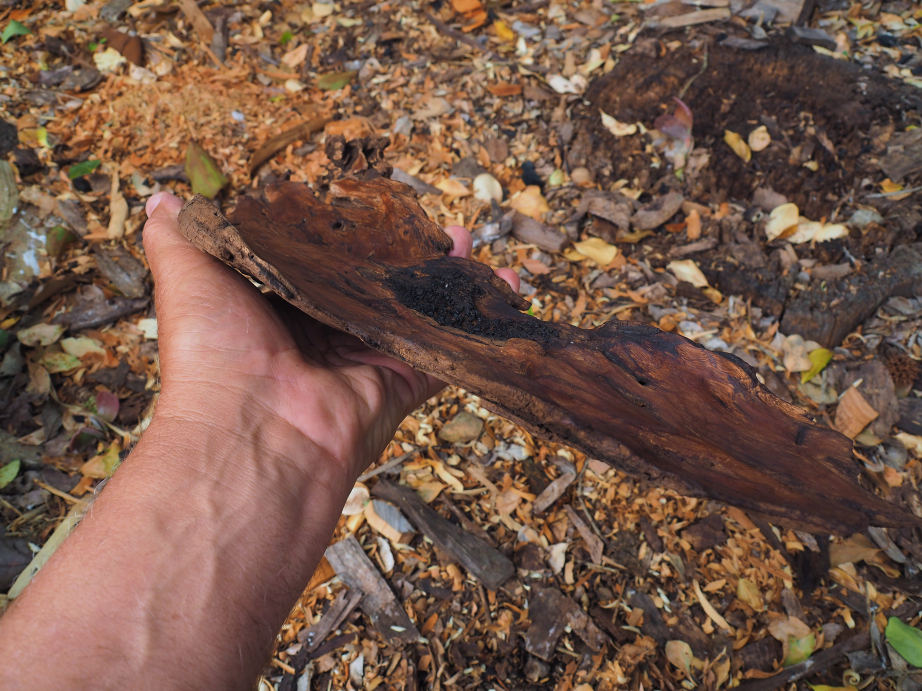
(658, 590)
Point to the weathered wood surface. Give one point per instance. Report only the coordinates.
(551, 612)
(369, 262)
(346, 601)
(479, 557)
(827, 312)
(378, 601)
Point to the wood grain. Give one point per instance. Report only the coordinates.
(368, 261)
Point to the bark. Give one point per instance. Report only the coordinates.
(368, 261)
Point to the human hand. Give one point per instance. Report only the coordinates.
(226, 354)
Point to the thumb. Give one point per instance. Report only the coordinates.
(173, 259)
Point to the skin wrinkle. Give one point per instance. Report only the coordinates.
(191, 557)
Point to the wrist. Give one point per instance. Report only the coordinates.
(232, 452)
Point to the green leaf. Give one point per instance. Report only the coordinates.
(826, 687)
(286, 37)
(5, 338)
(331, 81)
(12, 29)
(9, 472)
(906, 640)
(819, 358)
(204, 174)
(799, 649)
(78, 170)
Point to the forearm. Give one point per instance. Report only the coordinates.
(195, 552)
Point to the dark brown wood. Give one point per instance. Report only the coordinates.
(551, 612)
(369, 262)
(357, 571)
(476, 555)
(346, 601)
(827, 312)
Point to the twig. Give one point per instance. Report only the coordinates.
(461, 37)
(283, 139)
(704, 66)
(384, 468)
(58, 493)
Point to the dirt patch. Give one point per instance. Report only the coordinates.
(831, 115)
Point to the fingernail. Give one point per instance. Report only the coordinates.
(154, 202)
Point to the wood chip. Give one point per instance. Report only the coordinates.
(699, 17)
(708, 608)
(552, 492)
(854, 413)
(378, 601)
(479, 557)
(593, 543)
(551, 612)
(199, 21)
(346, 601)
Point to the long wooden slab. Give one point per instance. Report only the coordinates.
(368, 261)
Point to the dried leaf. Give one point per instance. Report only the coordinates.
(740, 148)
(83, 346)
(102, 465)
(599, 251)
(906, 640)
(616, 127)
(293, 58)
(487, 188)
(781, 219)
(40, 334)
(108, 60)
(748, 592)
(203, 173)
(557, 556)
(856, 548)
(530, 202)
(106, 404)
(57, 362)
(453, 187)
(687, 270)
(680, 654)
(830, 231)
(562, 85)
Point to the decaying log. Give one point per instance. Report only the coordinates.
(369, 262)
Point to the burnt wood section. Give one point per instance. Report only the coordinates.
(368, 261)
